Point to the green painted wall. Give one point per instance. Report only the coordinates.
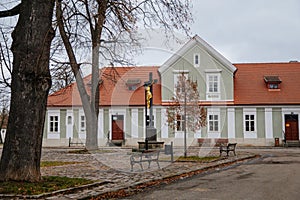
(239, 123)
(63, 115)
(76, 123)
(224, 123)
(46, 126)
(105, 122)
(260, 113)
(158, 122)
(128, 123)
(141, 122)
(277, 122)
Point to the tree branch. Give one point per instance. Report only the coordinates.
(12, 12)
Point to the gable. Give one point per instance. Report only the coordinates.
(200, 61)
(192, 43)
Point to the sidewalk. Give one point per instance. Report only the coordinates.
(110, 168)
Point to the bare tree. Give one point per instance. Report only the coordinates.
(5, 63)
(4, 109)
(185, 113)
(62, 76)
(30, 84)
(108, 27)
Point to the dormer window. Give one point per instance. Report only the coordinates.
(133, 84)
(272, 82)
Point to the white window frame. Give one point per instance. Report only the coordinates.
(181, 121)
(214, 112)
(50, 115)
(213, 122)
(196, 58)
(82, 122)
(213, 95)
(250, 112)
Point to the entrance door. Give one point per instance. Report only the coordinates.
(117, 127)
(291, 127)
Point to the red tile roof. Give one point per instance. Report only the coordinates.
(250, 87)
(113, 89)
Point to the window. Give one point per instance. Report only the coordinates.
(272, 82)
(196, 60)
(273, 86)
(249, 123)
(180, 123)
(133, 84)
(69, 120)
(53, 124)
(213, 83)
(213, 86)
(213, 123)
(82, 123)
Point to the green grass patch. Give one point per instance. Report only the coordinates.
(80, 151)
(197, 159)
(85, 151)
(56, 163)
(49, 184)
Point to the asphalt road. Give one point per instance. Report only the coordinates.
(276, 175)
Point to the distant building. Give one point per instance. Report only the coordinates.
(249, 103)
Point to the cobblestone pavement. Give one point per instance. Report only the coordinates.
(111, 166)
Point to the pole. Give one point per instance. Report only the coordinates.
(185, 148)
(146, 134)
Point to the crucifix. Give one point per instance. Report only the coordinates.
(150, 130)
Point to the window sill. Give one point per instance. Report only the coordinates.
(274, 90)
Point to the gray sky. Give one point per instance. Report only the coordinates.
(242, 30)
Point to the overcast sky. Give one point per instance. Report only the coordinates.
(242, 30)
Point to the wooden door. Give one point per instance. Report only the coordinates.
(291, 127)
(117, 127)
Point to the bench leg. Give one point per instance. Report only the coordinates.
(149, 162)
(157, 164)
(141, 164)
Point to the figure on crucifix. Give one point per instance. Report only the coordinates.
(148, 97)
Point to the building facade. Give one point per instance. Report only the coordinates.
(251, 103)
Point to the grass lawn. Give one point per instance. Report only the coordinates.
(49, 184)
(197, 159)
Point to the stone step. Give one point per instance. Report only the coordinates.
(292, 143)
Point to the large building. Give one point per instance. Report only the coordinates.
(249, 103)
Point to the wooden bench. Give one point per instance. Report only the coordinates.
(229, 147)
(144, 156)
(76, 143)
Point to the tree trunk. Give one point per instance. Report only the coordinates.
(31, 82)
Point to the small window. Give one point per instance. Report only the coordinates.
(272, 82)
(133, 84)
(69, 120)
(82, 123)
(213, 123)
(250, 123)
(53, 124)
(180, 123)
(196, 60)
